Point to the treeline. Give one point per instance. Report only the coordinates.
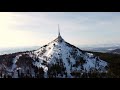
(113, 63)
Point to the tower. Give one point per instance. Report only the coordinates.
(58, 31)
(60, 39)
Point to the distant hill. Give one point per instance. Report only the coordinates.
(11, 50)
(116, 51)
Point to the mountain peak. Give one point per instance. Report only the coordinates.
(66, 59)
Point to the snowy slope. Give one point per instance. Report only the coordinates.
(59, 49)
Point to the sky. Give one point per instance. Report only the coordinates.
(19, 29)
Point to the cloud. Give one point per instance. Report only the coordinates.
(38, 28)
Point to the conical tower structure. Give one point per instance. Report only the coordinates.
(59, 36)
(58, 31)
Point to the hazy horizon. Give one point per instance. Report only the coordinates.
(22, 29)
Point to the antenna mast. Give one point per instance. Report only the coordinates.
(58, 30)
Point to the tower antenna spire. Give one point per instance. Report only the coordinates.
(58, 30)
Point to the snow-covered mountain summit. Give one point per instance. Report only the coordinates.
(67, 56)
(55, 59)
